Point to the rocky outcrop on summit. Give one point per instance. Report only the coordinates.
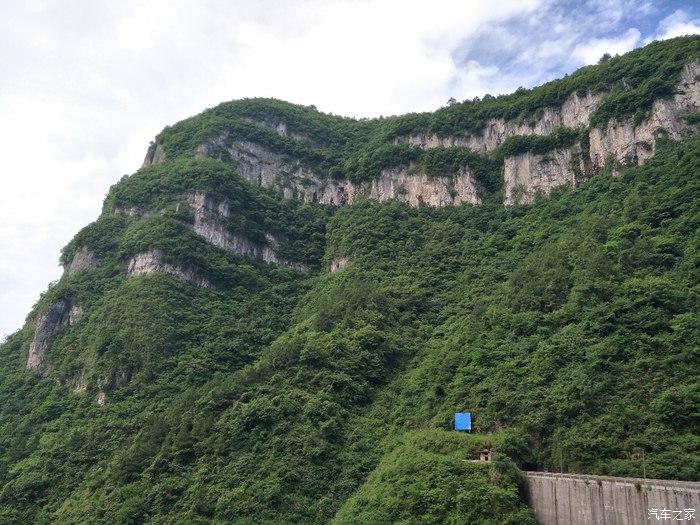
(83, 259)
(209, 224)
(575, 112)
(631, 143)
(288, 176)
(58, 315)
(150, 262)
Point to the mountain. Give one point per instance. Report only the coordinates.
(275, 318)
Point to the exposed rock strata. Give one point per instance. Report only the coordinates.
(83, 259)
(48, 325)
(574, 112)
(209, 224)
(150, 262)
(154, 155)
(338, 263)
(528, 175)
(628, 143)
(623, 141)
(280, 128)
(288, 176)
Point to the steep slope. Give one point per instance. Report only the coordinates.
(218, 350)
(518, 146)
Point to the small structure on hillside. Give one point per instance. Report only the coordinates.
(486, 454)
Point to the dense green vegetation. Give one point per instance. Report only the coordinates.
(427, 476)
(359, 149)
(568, 327)
(571, 323)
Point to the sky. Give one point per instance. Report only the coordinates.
(85, 85)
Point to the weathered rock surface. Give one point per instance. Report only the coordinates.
(528, 175)
(48, 325)
(280, 128)
(209, 224)
(622, 141)
(338, 263)
(625, 142)
(289, 177)
(150, 262)
(154, 155)
(575, 112)
(83, 259)
(77, 383)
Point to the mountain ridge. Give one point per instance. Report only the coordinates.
(220, 351)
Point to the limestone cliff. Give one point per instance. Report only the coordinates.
(574, 112)
(84, 259)
(529, 175)
(59, 314)
(623, 141)
(631, 143)
(209, 224)
(288, 176)
(151, 261)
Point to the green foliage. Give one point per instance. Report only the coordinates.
(427, 480)
(568, 327)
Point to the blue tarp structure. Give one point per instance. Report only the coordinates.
(463, 420)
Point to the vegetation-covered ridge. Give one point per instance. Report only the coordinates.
(358, 150)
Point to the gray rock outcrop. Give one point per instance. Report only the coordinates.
(48, 325)
(83, 259)
(528, 175)
(338, 263)
(574, 112)
(630, 143)
(209, 224)
(624, 141)
(151, 261)
(269, 169)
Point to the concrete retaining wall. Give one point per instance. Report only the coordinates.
(572, 499)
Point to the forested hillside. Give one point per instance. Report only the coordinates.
(218, 353)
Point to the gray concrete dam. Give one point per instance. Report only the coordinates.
(573, 499)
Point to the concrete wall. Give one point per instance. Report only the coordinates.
(563, 499)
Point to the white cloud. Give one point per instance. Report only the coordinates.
(676, 24)
(589, 52)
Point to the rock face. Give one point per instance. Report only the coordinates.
(628, 143)
(154, 155)
(209, 224)
(574, 112)
(48, 325)
(150, 262)
(288, 176)
(622, 141)
(83, 259)
(280, 128)
(339, 263)
(528, 175)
